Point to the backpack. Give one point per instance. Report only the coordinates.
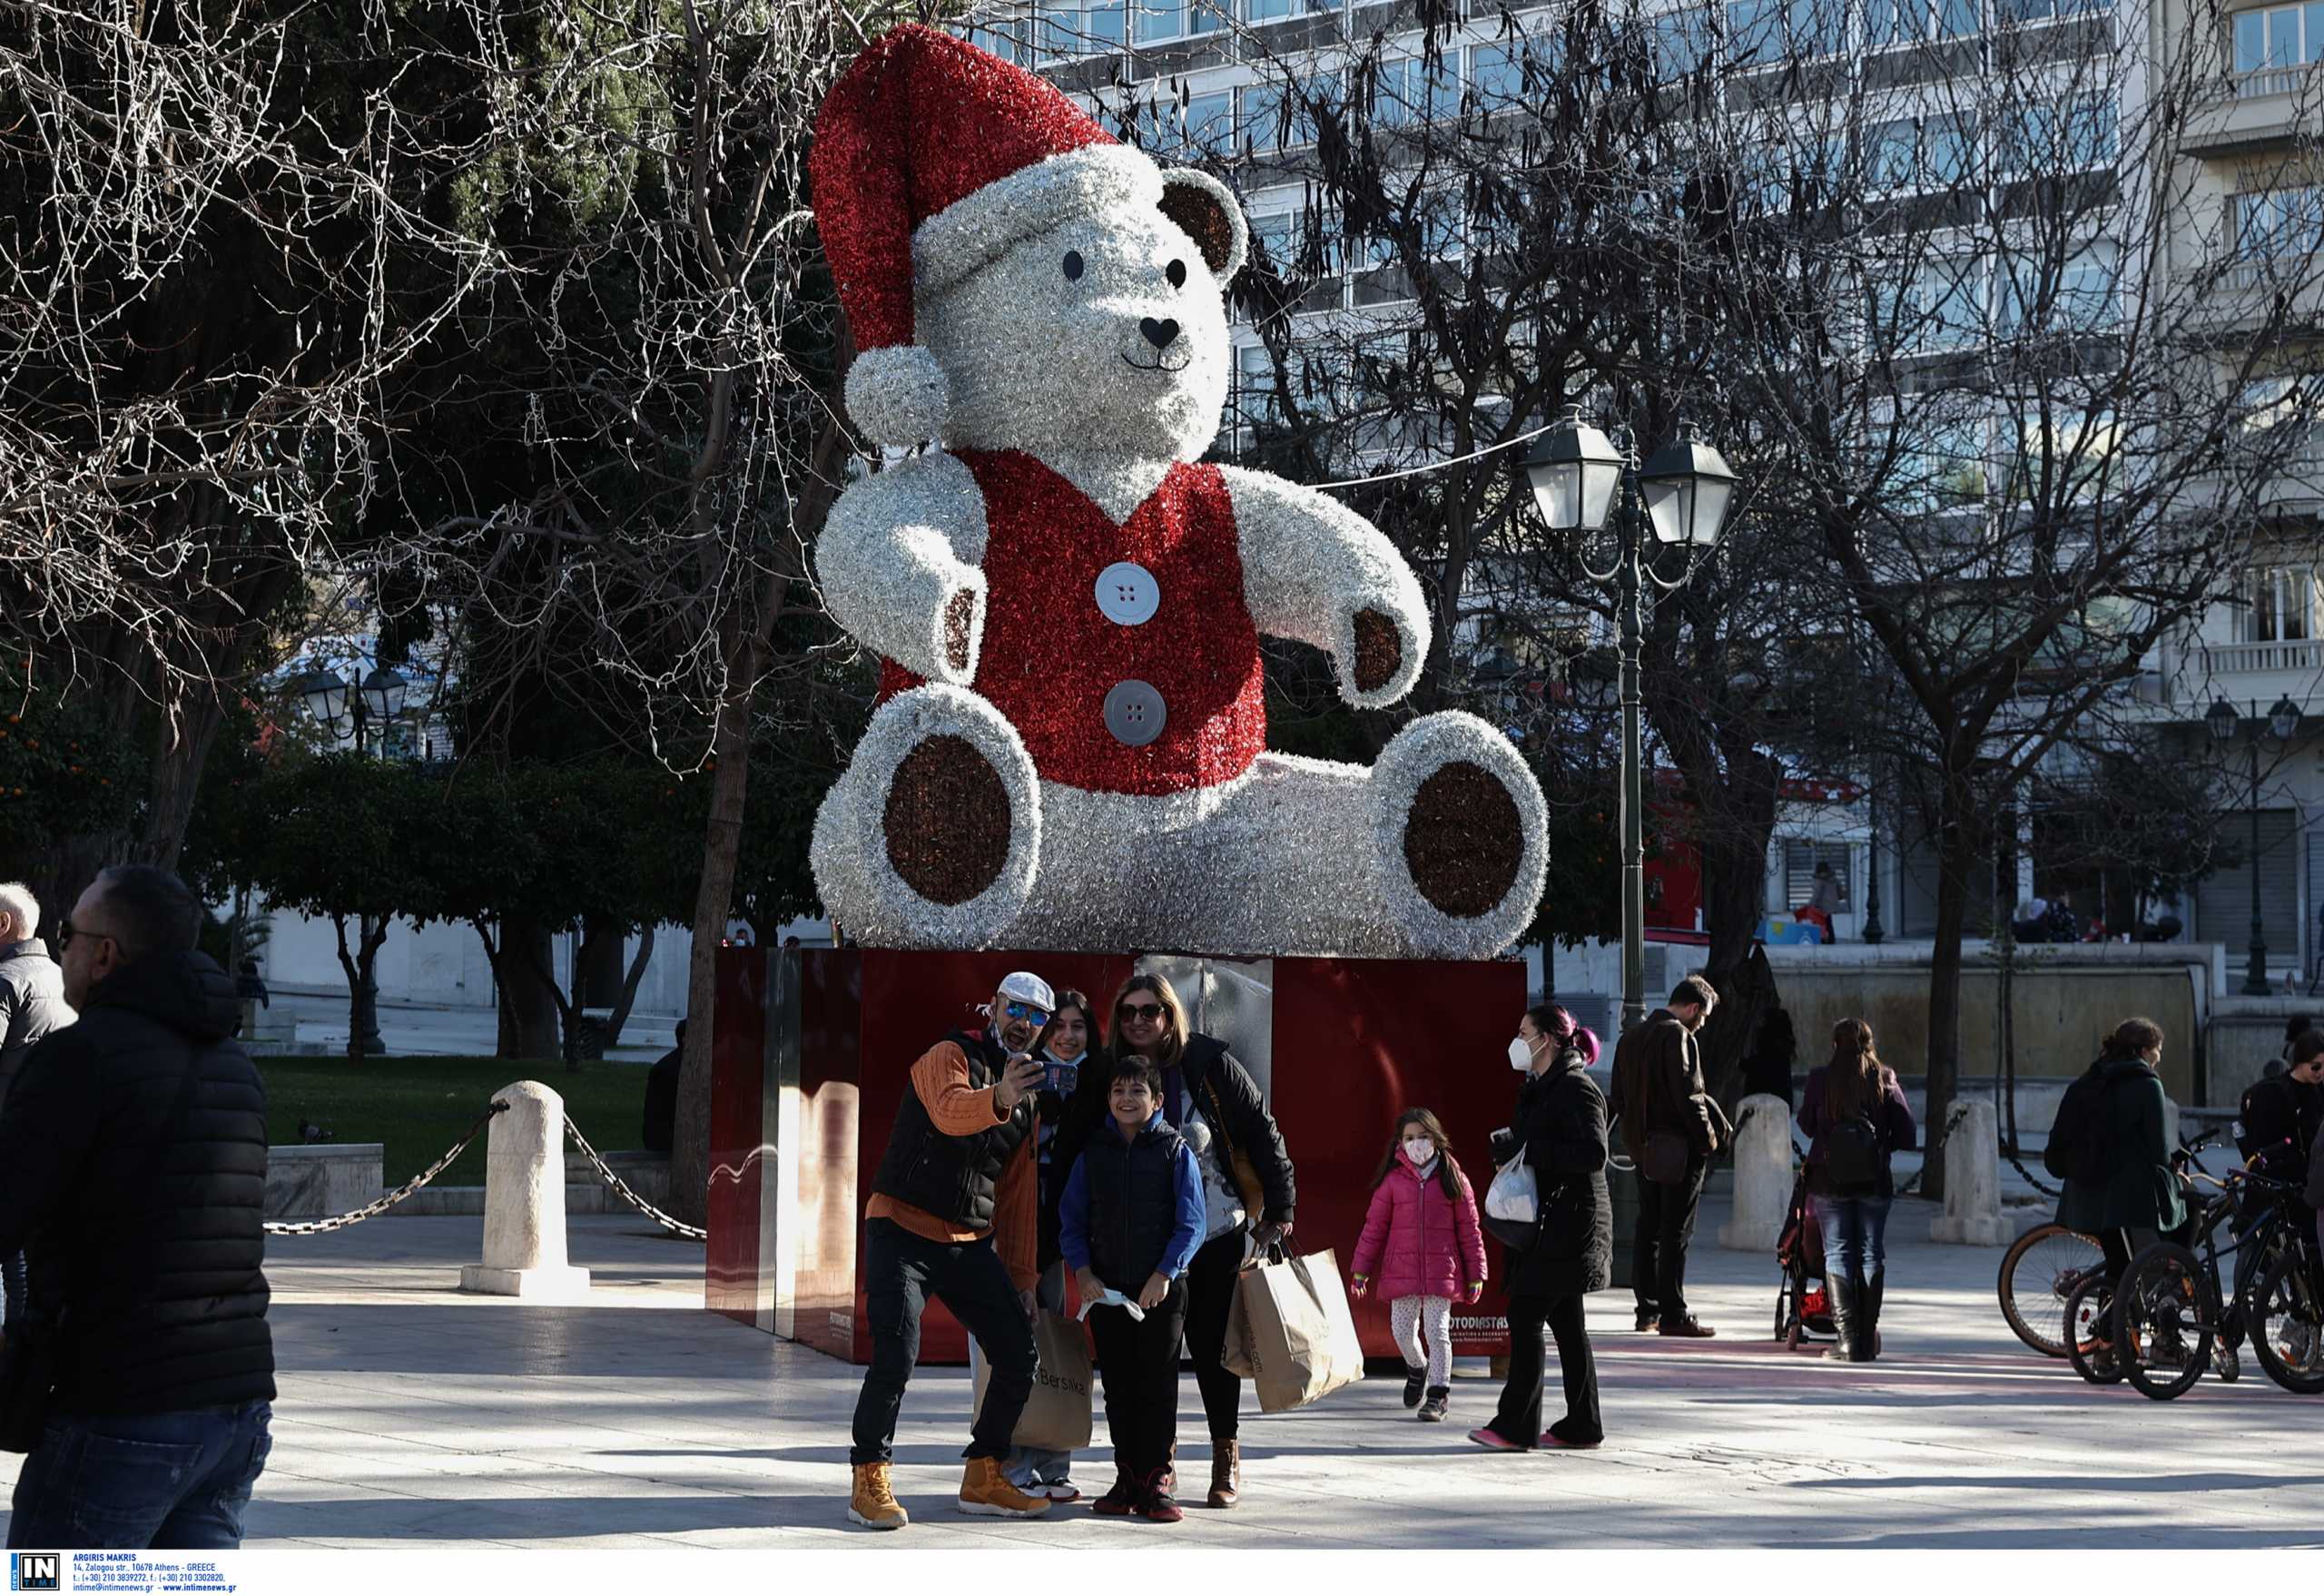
(2081, 1137)
(1853, 1155)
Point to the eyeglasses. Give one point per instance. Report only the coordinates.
(1027, 1011)
(66, 932)
(1149, 1012)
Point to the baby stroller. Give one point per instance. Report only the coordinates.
(1803, 1305)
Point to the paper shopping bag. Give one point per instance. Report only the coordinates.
(1057, 1415)
(1290, 1333)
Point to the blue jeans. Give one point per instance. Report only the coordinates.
(1855, 1231)
(176, 1480)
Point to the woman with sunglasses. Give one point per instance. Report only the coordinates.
(1247, 1190)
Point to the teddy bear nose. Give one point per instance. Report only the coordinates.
(1160, 334)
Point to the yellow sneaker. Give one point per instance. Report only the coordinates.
(874, 1505)
(986, 1491)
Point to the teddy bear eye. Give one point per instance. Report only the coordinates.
(1073, 265)
(1177, 272)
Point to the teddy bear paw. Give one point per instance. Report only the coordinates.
(1460, 830)
(930, 838)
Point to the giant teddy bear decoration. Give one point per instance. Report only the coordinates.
(1070, 752)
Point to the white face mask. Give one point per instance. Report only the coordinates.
(1520, 1054)
(1420, 1149)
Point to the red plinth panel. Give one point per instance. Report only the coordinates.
(813, 1050)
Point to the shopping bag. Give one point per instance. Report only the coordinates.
(1513, 1203)
(1057, 1415)
(1289, 1332)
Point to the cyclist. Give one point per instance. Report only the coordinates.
(2136, 1199)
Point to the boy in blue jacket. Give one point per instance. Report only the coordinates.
(1128, 1224)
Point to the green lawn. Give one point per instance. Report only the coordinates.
(419, 1106)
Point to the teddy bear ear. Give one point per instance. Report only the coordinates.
(1206, 209)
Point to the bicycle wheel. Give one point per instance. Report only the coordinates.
(2286, 1319)
(2087, 1330)
(2163, 1318)
(2038, 1274)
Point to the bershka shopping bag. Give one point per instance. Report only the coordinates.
(1057, 1415)
(1290, 1333)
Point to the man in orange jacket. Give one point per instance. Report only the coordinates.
(953, 1216)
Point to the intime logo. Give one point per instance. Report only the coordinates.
(35, 1570)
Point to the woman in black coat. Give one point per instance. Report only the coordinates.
(1560, 1121)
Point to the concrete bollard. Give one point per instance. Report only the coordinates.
(1762, 1174)
(1972, 1215)
(524, 1200)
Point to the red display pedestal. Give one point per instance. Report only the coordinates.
(813, 1050)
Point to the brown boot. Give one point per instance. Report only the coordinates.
(1226, 1473)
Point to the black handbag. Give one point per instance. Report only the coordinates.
(1666, 1158)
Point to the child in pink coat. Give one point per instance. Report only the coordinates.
(1423, 1244)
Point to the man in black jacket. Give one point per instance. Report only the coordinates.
(133, 1169)
(1670, 1127)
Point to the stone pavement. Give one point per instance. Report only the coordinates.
(413, 1417)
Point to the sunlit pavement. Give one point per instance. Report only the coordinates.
(413, 1416)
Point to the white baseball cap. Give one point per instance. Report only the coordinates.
(1026, 987)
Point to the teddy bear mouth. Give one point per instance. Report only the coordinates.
(1156, 364)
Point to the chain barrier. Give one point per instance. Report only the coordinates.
(373, 1209)
(621, 1189)
(1952, 1121)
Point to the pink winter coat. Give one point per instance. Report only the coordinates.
(1418, 1242)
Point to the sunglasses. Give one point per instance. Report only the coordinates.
(1145, 1011)
(65, 933)
(1027, 1011)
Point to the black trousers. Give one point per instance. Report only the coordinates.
(1137, 1360)
(902, 1271)
(1666, 1224)
(1210, 1293)
(1519, 1417)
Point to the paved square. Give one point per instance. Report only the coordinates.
(412, 1416)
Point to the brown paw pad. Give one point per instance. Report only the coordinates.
(947, 821)
(1378, 651)
(1463, 841)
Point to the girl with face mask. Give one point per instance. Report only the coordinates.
(1422, 1240)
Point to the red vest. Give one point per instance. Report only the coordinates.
(1050, 655)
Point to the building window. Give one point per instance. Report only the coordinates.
(1801, 855)
(1280, 114)
(1914, 22)
(1405, 93)
(1683, 44)
(1784, 30)
(1924, 153)
(1160, 21)
(2277, 37)
(2278, 222)
(2282, 605)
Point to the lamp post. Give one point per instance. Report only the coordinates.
(2282, 721)
(1872, 930)
(1582, 480)
(380, 698)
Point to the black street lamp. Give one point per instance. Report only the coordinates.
(1872, 929)
(327, 696)
(2282, 721)
(1582, 479)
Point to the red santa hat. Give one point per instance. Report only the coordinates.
(932, 157)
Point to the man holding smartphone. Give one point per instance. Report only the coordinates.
(953, 1216)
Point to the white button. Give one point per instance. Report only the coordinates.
(1127, 594)
(1134, 713)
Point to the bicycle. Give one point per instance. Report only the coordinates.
(2174, 1320)
(2054, 1261)
(2087, 1337)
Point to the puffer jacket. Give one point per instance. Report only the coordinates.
(1560, 1122)
(2139, 1193)
(132, 1172)
(32, 1003)
(1418, 1242)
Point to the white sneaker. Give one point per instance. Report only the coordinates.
(1062, 1490)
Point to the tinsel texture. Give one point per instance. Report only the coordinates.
(1071, 752)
